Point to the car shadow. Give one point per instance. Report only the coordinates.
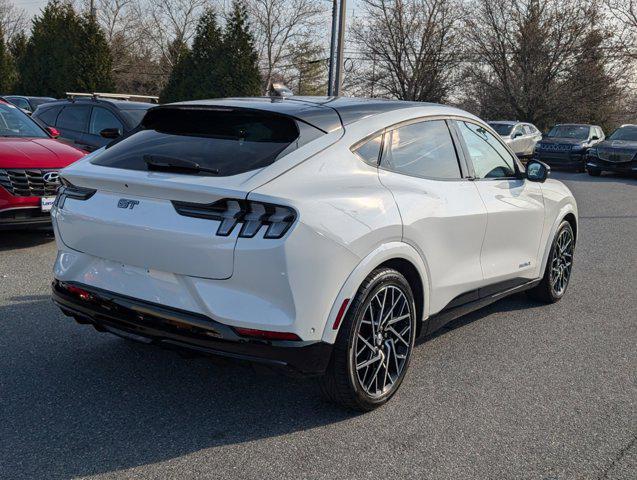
(17, 239)
(76, 402)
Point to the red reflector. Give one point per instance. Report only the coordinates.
(83, 294)
(341, 313)
(266, 335)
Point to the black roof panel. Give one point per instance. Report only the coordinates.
(326, 113)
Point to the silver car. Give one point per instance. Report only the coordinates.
(521, 137)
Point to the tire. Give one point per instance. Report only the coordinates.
(594, 172)
(560, 262)
(358, 388)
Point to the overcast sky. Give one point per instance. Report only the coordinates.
(33, 6)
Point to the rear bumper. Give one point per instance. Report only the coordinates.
(181, 330)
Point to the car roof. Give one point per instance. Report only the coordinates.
(326, 113)
(575, 125)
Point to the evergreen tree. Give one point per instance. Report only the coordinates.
(179, 80)
(66, 52)
(311, 69)
(93, 61)
(199, 71)
(220, 63)
(242, 71)
(7, 71)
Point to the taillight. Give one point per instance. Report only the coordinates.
(68, 190)
(251, 215)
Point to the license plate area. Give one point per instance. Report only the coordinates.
(46, 203)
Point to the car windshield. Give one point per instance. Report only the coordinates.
(578, 132)
(628, 133)
(135, 114)
(502, 129)
(14, 123)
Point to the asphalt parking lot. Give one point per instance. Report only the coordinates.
(517, 390)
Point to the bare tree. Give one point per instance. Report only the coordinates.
(411, 48)
(170, 24)
(624, 13)
(521, 52)
(279, 27)
(13, 20)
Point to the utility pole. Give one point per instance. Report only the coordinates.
(338, 81)
(332, 67)
(92, 9)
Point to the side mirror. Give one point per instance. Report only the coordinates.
(594, 137)
(110, 133)
(54, 132)
(517, 134)
(537, 171)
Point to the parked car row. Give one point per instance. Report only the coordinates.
(580, 147)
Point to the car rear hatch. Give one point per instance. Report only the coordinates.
(125, 203)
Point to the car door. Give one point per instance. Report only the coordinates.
(515, 207)
(101, 118)
(518, 140)
(72, 123)
(443, 217)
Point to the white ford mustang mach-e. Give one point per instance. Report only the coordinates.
(319, 235)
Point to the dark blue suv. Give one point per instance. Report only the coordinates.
(565, 145)
(91, 123)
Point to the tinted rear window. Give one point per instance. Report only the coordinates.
(134, 115)
(227, 140)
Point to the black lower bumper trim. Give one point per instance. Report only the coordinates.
(24, 218)
(178, 329)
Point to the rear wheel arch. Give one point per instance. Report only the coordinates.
(399, 256)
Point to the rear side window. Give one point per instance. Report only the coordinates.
(48, 115)
(74, 118)
(229, 141)
(423, 149)
(370, 150)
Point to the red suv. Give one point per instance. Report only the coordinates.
(30, 158)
